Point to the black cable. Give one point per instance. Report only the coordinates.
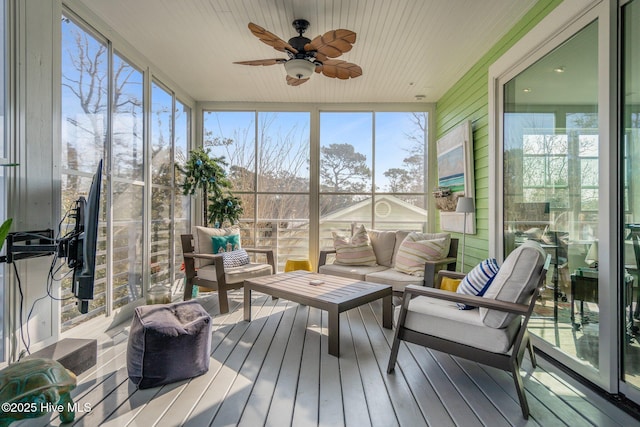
(50, 279)
(24, 342)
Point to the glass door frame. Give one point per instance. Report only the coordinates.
(629, 391)
(560, 25)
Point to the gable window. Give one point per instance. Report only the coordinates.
(372, 171)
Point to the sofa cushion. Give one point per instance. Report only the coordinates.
(203, 244)
(235, 274)
(396, 279)
(443, 319)
(383, 242)
(416, 249)
(354, 250)
(515, 282)
(357, 272)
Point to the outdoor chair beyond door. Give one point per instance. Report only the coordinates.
(494, 334)
(220, 271)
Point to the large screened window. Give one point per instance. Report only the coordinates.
(372, 171)
(85, 112)
(268, 155)
(104, 116)
(127, 176)
(181, 204)
(161, 181)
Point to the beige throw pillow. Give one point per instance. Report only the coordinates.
(202, 240)
(355, 250)
(415, 250)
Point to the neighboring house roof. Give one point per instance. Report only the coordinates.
(387, 208)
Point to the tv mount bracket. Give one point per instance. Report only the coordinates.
(31, 244)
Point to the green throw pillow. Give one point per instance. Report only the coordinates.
(225, 243)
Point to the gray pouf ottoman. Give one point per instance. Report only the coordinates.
(168, 343)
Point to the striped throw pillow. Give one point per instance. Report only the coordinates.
(355, 250)
(477, 281)
(415, 250)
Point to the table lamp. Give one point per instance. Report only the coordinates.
(466, 206)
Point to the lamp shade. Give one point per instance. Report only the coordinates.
(299, 68)
(465, 205)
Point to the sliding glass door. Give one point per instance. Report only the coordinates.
(551, 172)
(630, 222)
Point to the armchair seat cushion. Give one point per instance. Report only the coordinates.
(357, 272)
(442, 319)
(236, 274)
(396, 279)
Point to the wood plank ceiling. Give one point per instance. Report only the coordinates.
(405, 48)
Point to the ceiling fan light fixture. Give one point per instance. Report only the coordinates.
(299, 68)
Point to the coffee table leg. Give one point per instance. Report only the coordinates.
(334, 333)
(387, 312)
(247, 304)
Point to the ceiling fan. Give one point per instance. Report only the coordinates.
(307, 56)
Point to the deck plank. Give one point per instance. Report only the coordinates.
(227, 368)
(457, 407)
(356, 411)
(276, 371)
(240, 391)
(379, 403)
(483, 407)
(331, 410)
(305, 409)
(257, 407)
(553, 380)
(505, 403)
(284, 394)
(404, 403)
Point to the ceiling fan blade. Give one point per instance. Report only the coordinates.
(273, 61)
(339, 69)
(333, 43)
(271, 39)
(321, 57)
(292, 81)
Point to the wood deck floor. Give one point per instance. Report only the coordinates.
(275, 371)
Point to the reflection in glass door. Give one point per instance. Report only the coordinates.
(550, 134)
(630, 139)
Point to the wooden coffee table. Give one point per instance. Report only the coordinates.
(335, 295)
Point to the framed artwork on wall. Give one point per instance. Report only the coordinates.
(455, 177)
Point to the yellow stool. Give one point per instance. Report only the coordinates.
(294, 264)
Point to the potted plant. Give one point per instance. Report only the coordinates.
(207, 173)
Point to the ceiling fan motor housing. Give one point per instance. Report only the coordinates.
(298, 43)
